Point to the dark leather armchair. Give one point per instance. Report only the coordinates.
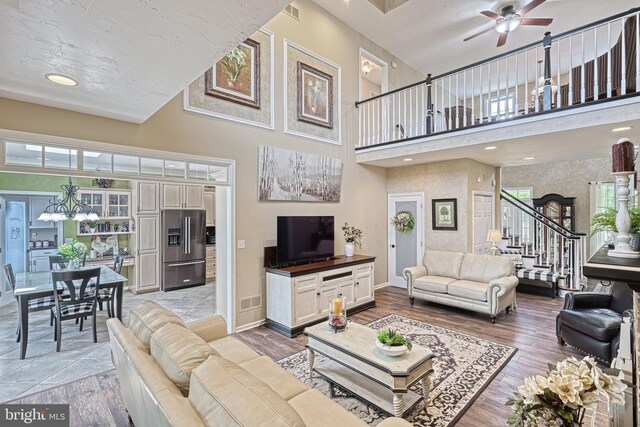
(591, 321)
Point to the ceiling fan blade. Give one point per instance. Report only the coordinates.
(529, 7)
(478, 34)
(490, 14)
(502, 39)
(543, 22)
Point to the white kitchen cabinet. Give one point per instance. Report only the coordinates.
(148, 198)
(210, 257)
(296, 298)
(37, 205)
(181, 196)
(148, 246)
(107, 203)
(39, 259)
(210, 207)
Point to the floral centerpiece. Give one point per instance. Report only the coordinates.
(353, 237)
(403, 221)
(560, 398)
(74, 252)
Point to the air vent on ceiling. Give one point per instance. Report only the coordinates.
(292, 11)
(250, 303)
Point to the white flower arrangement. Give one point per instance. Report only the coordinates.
(403, 221)
(560, 398)
(74, 251)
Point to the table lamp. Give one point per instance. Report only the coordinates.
(494, 236)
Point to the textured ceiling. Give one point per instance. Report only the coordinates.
(428, 34)
(129, 56)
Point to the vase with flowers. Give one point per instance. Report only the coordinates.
(562, 397)
(74, 252)
(352, 237)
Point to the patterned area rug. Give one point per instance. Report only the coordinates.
(463, 367)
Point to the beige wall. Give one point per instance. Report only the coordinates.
(364, 198)
(567, 178)
(445, 180)
(366, 87)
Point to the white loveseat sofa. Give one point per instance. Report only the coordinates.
(482, 283)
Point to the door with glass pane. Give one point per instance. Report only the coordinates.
(14, 237)
(6, 293)
(406, 246)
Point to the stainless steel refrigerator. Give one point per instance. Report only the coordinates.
(184, 237)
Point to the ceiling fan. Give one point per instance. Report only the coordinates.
(508, 20)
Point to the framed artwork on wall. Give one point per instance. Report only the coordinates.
(236, 77)
(315, 96)
(444, 214)
(312, 100)
(297, 176)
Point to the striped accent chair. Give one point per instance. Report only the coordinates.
(539, 275)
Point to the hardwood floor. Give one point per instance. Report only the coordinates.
(531, 328)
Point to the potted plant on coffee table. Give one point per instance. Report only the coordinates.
(392, 343)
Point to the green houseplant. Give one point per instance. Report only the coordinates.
(606, 221)
(392, 343)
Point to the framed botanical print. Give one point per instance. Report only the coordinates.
(444, 214)
(236, 77)
(315, 96)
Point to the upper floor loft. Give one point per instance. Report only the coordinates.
(553, 99)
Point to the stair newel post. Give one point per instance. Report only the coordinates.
(547, 91)
(429, 105)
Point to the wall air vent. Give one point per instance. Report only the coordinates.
(250, 303)
(292, 11)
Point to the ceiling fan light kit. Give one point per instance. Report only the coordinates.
(508, 20)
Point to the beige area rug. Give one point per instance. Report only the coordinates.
(463, 367)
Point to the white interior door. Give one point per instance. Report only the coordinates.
(482, 220)
(405, 249)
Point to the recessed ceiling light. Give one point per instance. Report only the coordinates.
(621, 129)
(490, 148)
(61, 80)
(408, 159)
(528, 158)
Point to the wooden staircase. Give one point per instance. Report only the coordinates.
(546, 254)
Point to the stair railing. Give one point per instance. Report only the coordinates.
(559, 248)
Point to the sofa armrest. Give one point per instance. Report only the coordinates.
(412, 273)
(586, 300)
(504, 284)
(210, 328)
(394, 422)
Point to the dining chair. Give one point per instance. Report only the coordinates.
(106, 294)
(81, 304)
(56, 262)
(37, 304)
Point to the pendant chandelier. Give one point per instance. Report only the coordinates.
(68, 207)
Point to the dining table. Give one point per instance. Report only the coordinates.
(32, 285)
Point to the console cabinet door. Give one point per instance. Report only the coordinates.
(327, 293)
(306, 299)
(364, 284)
(347, 289)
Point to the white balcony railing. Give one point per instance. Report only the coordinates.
(597, 62)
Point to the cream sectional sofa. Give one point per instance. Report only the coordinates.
(482, 283)
(177, 374)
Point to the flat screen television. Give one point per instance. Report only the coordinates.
(304, 238)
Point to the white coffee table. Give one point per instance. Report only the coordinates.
(357, 365)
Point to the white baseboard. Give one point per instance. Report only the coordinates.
(381, 285)
(250, 325)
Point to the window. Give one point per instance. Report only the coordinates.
(501, 107)
(17, 153)
(522, 193)
(603, 196)
(96, 161)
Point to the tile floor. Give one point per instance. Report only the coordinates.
(79, 356)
